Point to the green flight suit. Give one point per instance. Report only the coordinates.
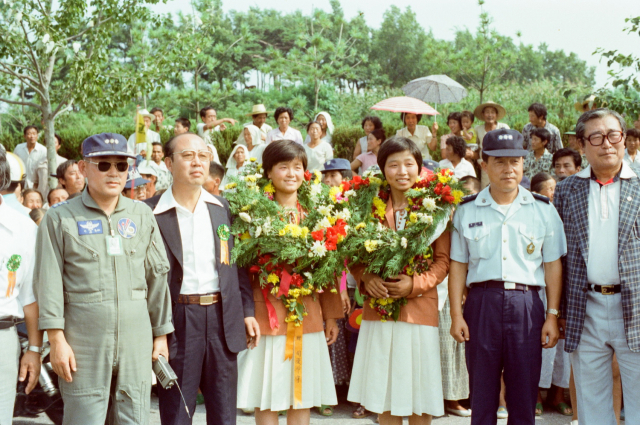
(110, 307)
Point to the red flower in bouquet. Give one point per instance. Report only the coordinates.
(307, 175)
(264, 259)
(318, 235)
(345, 186)
(296, 280)
(255, 269)
(358, 181)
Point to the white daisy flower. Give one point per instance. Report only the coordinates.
(245, 217)
(318, 249)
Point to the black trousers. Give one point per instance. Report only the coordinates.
(505, 328)
(200, 357)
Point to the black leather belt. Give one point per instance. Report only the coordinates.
(7, 323)
(605, 289)
(507, 286)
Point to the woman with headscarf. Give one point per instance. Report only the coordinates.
(324, 119)
(252, 140)
(418, 134)
(236, 160)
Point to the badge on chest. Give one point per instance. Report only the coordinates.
(89, 227)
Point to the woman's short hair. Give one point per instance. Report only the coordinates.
(282, 151)
(538, 180)
(378, 133)
(374, 120)
(311, 123)
(456, 116)
(397, 144)
(403, 115)
(281, 110)
(31, 190)
(458, 145)
(36, 214)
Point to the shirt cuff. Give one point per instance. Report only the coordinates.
(45, 323)
(163, 329)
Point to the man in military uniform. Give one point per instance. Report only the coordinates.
(507, 246)
(101, 284)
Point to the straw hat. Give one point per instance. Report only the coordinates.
(258, 109)
(146, 113)
(587, 102)
(480, 108)
(16, 167)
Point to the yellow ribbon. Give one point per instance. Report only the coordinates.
(224, 252)
(11, 283)
(293, 351)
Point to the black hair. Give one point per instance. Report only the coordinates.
(157, 110)
(458, 145)
(29, 127)
(203, 111)
(62, 168)
(281, 110)
(456, 116)
(5, 172)
(169, 146)
(156, 144)
(538, 180)
(311, 123)
(403, 115)
(216, 170)
(539, 109)
(379, 134)
(51, 191)
(32, 190)
(397, 144)
(474, 182)
(346, 174)
(282, 151)
(543, 134)
(57, 136)
(561, 153)
(633, 132)
(374, 120)
(37, 214)
(595, 114)
(467, 114)
(184, 122)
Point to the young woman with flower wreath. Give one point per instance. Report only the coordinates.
(396, 369)
(265, 378)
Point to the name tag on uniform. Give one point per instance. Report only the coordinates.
(478, 224)
(114, 246)
(90, 227)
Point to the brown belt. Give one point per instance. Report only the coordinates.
(207, 299)
(501, 285)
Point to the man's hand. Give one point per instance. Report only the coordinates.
(160, 348)
(459, 329)
(346, 303)
(331, 331)
(30, 364)
(374, 285)
(63, 361)
(400, 289)
(550, 331)
(252, 331)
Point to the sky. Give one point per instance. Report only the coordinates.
(573, 26)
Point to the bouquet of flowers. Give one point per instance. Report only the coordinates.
(386, 252)
(291, 257)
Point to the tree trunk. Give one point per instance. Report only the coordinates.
(196, 87)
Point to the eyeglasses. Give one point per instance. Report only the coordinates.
(597, 139)
(104, 166)
(188, 155)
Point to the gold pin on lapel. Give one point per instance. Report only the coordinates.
(530, 248)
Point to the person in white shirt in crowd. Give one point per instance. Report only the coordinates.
(182, 126)
(152, 136)
(210, 123)
(419, 134)
(252, 141)
(158, 120)
(369, 124)
(456, 149)
(538, 119)
(491, 113)
(283, 117)
(632, 142)
(41, 181)
(236, 161)
(70, 178)
(12, 194)
(163, 176)
(31, 153)
(17, 252)
(454, 122)
(317, 148)
(32, 199)
(324, 119)
(258, 116)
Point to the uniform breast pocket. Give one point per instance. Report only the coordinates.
(478, 242)
(530, 241)
(82, 262)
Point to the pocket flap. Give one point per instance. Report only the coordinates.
(138, 294)
(82, 297)
(475, 233)
(532, 233)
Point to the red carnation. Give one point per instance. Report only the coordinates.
(345, 186)
(318, 235)
(296, 280)
(307, 175)
(264, 259)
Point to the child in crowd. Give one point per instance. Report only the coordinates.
(265, 378)
(632, 143)
(216, 174)
(539, 159)
(455, 152)
(468, 132)
(369, 124)
(369, 158)
(32, 199)
(455, 126)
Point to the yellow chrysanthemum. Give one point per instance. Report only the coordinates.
(370, 245)
(245, 236)
(381, 207)
(282, 232)
(294, 230)
(360, 226)
(413, 217)
(269, 188)
(231, 185)
(273, 278)
(457, 196)
(333, 192)
(250, 178)
(318, 177)
(443, 179)
(253, 159)
(304, 232)
(245, 208)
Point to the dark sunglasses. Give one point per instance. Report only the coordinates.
(104, 166)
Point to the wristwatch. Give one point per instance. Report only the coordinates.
(35, 349)
(554, 312)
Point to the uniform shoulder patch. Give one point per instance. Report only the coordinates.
(59, 203)
(541, 198)
(468, 198)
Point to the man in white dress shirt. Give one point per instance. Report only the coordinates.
(152, 136)
(213, 309)
(31, 153)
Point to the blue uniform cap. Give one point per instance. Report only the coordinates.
(137, 179)
(430, 164)
(503, 142)
(336, 164)
(105, 144)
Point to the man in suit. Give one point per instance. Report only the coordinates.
(601, 302)
(213, 309)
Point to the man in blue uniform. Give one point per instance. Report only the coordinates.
(507, 245)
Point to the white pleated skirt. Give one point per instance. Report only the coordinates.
(265, 379)
(397, 369)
